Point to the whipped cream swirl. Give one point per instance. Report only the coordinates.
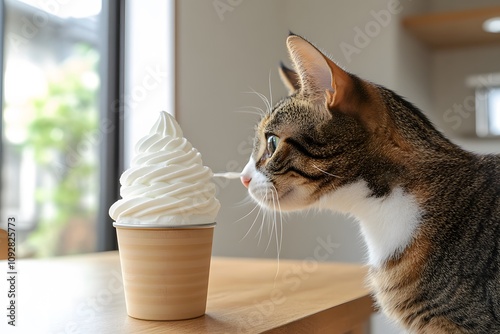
(167, 183)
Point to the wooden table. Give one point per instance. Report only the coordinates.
(84, 294)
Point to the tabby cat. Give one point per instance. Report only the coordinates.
(428, 210)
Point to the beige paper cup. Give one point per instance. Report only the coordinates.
(3, 245)
(165, 270)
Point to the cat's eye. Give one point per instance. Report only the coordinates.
(272, 144)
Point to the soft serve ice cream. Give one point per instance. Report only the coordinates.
(166, 183)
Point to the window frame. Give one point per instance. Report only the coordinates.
(112, 119)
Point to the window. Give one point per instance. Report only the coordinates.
(57, 122)
(493, 111)
(487, 104)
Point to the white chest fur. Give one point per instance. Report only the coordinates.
(387, 224)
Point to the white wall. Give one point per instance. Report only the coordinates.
(149, 62)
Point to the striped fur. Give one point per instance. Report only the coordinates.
(428, 210)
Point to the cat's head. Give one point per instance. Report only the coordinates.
(332, 130)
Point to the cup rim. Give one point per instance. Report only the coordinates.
(162, 227)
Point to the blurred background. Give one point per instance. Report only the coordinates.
(83, 80)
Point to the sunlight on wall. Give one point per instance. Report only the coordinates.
(149, 63)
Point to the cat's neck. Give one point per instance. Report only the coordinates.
(388, 224)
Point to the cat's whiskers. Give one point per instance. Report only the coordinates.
(245, 201)
(254, 221)
(271, 224)
(270, 91)
(256, 111)
(280, 241)
(248, 214)
(272, 219)
(325, 172)
(264, 216)
(281, 219)
(264, 99)
(261, 210)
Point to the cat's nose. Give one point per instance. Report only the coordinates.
(245, 180)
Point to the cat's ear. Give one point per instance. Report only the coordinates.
(290, 79)
(319, 77)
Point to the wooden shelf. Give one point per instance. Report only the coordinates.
(453, 29)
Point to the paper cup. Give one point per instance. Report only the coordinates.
(165, 270)
(3, 244)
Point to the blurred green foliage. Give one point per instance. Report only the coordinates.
(62, 135)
